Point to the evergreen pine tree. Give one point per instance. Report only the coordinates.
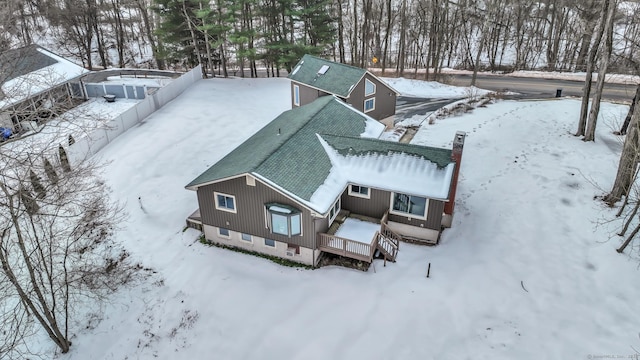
(50, 171)
(64, 160)
(37, 185)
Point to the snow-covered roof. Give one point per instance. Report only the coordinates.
(392, 170)
(31, 70)
(312, 152)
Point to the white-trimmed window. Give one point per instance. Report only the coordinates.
(369, 87)
(333, 212)
(225, 202)
(269, 243)
(369, 105)
(296, 95)
(409, 205)
(284, 219)
(224, 232)
(360, 191)
(246, 237)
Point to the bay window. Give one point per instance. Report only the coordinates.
(284, 219)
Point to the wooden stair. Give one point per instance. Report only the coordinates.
(388, 246)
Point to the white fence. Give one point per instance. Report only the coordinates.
(98, 138)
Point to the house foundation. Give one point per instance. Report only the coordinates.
(258, 244)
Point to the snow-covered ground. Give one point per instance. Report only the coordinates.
(525, 219)
(431, 89)
(94, 113)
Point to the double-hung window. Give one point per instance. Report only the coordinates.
(369, 105)
(225, 202)
(359, 191)
(284, 219)
(409, 205)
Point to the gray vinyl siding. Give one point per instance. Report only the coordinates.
(434, 217)
(322, 225)
(379, 203)
(307, 94)
(250, 215)
(385, 105)
(374, 207)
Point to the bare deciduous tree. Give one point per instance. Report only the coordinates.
(57, 251)
(605, 56)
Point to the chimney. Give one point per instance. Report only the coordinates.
(456, 156)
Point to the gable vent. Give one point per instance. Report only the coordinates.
(323, 69)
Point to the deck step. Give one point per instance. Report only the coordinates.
(387, 246)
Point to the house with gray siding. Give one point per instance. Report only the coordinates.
(287, 188)
(313, 77)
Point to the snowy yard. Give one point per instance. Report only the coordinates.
(525, 219)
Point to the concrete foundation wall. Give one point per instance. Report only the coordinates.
(306, 256)
(429, 235)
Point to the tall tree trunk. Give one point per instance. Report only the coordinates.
(207, 43)
(591, 58)
(194, 41)
(386, 36)
(148, 27)
(354, 42)
(95, 27)
(476, 61)
(627, 119)
(628, 161)
(364, 33)
(402, 46)
(590, 134)
(223, 58)
(340, 31)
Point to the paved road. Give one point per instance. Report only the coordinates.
(539, 88)
(407, 107)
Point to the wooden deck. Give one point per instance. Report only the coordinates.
(347, 248)
(386, 241)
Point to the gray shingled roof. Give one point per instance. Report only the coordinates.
(339, 79)
(19, 62)
(254, 151)
(288, 153)
(294, 159)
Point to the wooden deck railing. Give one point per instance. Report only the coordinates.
(387, 232)
(387, 247)
(347, 248)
